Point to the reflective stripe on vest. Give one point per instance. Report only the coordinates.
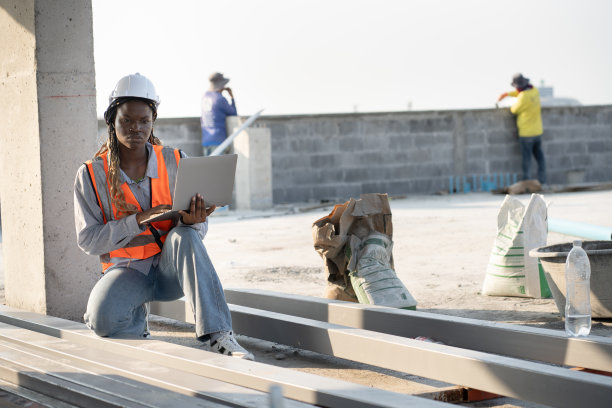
(147, 243)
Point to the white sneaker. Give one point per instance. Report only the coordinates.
(227, 345)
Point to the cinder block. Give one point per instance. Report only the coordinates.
(471, 123)
(504, 166)
(371, 158)
(399, 156)
(575, 148)
(346, 191)
(279, 146)
(552, 119)
(474, 153)
(424, 140)
(375, 126)
(324, 127)
(299, 129)
(375, 187)
(422, 125)
(292, 195)
(443, 154)
(498, 136)
(604, 116)
(476, 167)
(422, 185)
(599, 174)
(355, 175)
(303, 145)
(277, 130)
(323, 160)
(350, 144)
(400, 142)
(475, 138)
(599, 146)
(398, 126)
(501, 150)
(349, 128)
(554, 148)
(322, 192)
(424, 155)
(580, 160)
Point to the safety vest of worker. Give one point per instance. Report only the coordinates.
(149, 242)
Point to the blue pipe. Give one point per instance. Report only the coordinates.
(580, 229)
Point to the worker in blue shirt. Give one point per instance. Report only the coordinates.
(215, 108)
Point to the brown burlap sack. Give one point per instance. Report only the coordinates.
(370, 213)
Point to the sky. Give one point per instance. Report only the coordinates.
(339, 56)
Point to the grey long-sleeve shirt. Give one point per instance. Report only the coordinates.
(96, 238)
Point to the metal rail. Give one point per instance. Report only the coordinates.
(81, 363)
(525, 380)
(299, 386)
(551, 346)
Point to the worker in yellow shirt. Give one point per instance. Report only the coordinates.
(529, 124)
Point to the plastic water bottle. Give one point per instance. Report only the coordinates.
(578, 290)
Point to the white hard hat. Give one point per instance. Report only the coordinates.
(135, 85)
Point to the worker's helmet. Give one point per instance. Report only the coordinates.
(135, 85)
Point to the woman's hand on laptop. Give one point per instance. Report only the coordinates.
(197, 211)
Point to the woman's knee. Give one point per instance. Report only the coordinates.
(99, 322)
(108, 321)
(184, 236)
(183, 232)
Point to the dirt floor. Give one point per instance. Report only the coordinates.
(441, 249)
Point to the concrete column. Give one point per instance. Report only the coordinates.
(254, 169)
(48, 128)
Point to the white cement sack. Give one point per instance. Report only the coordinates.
(372, 277)
(511, 271)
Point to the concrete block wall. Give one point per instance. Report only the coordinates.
(337, 156)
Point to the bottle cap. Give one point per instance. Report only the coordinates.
(578, 243)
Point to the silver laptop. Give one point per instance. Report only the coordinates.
(210, 176)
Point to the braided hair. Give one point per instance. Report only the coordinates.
(112, 147)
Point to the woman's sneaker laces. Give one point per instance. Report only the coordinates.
(227, 345)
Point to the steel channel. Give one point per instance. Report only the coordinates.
(551, 346)
(450, 364)
(525, 380)
(38, 400)
(60, 389)
(115, 366)
(296, 385)
(131, 392)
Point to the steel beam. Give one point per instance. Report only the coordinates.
(502, 375)
(35, 399)
(67, 391)
(103, 388)
(551, 346)
(296, 385)
(134, 373)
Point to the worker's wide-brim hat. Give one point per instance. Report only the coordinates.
(519, 81)
(218, 81)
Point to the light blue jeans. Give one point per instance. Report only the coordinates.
(117, 304)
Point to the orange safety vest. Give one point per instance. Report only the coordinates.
(150, 242)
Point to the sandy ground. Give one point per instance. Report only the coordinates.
(441, 249)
